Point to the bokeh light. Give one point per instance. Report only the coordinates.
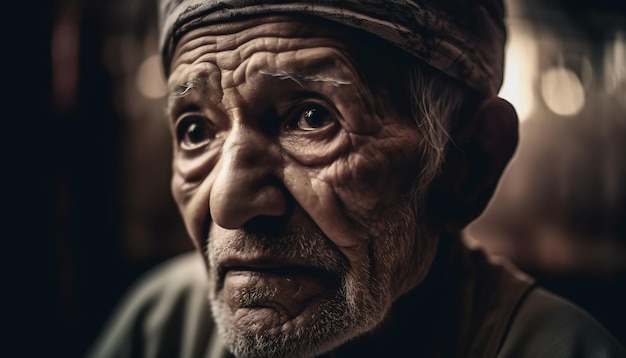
(562, 91)
(150, 82)
(520, 68)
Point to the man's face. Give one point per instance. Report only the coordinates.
(295, 178)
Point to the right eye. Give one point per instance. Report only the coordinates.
(194, 132)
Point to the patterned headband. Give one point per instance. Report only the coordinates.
(462, 38)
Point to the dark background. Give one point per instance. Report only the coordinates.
(87, 169)
(87, 162)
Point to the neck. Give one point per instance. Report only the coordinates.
(414, 321)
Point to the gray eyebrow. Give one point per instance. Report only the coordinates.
(183, 89)
(301, 78)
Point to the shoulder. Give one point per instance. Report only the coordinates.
(180, 278)
(547, 325)
(162, 311)
(180, 273)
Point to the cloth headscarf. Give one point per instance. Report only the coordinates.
(462, 38)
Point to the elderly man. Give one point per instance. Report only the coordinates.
(326, 155)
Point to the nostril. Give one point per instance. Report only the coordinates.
(266, 225)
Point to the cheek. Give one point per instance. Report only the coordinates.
(192, 194)
(371, 180)
(319, 200)
(348, 198)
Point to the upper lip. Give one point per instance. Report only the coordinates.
(267, 264)
(260, 263)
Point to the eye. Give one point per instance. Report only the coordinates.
(194, 132)
(310, 117)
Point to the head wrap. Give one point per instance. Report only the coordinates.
(462, 38)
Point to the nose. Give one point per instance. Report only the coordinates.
(248, 183)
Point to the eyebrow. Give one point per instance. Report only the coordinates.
(300, 79)
(179, 95)
(184, 89)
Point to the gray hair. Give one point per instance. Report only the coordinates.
(436, 103)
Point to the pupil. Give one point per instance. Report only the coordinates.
(194, 133)
(312, 118)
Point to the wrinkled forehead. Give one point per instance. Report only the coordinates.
(276, 46)
(301, 49)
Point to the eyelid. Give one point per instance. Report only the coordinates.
(187, 113)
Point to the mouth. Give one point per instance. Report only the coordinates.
(285, 287)
(270, 266)
(277, 270)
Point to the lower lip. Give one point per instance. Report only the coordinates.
(286, 291)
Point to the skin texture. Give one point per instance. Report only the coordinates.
(295, 177)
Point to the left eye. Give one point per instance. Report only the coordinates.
(194, 132)
(311, 117)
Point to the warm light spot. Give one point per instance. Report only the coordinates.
(562, 91)
(149, 78)
(519, 69)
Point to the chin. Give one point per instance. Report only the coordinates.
(319, 328)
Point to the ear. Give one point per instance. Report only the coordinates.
(482, 145)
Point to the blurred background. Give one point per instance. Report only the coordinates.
(88, 161)
(559, 212)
